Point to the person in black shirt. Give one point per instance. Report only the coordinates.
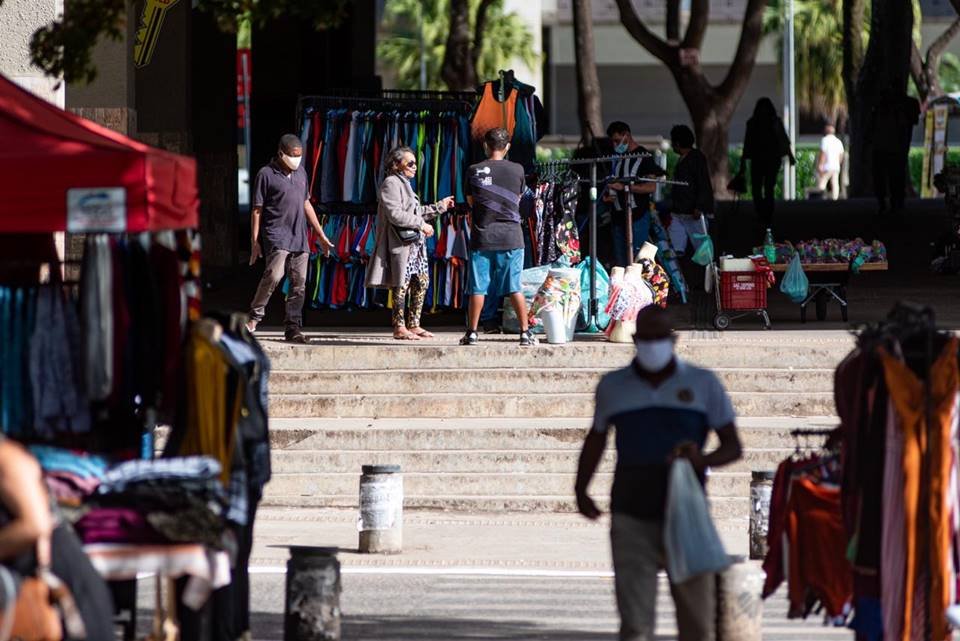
(634, 197)
(690, 201)
(494, 188)
(764, 145)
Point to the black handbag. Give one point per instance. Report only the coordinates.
(406, 235)
(739, 183)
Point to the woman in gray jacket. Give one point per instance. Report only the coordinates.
(398, 263)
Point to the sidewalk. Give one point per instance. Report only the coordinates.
(531, 543)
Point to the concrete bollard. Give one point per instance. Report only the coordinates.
(381, 510)
(312, 611)
(761, 489)
(739, 606)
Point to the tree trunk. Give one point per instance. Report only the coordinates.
(458, 70)
(588, 83)
(711, 107)
(925, 71)
(885, 70)
(853, 13)
(673, 21)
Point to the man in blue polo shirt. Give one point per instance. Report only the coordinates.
(661, 408)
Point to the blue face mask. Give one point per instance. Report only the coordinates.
(622, 148)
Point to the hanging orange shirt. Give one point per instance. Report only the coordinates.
(491, 113)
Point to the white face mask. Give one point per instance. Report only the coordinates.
(654, 356)
(293, 162)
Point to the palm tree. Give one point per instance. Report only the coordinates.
(505, 38)
(818, 32)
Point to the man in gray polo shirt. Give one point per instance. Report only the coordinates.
(281, 211)
(661, 408)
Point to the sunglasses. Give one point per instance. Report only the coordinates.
(410, 164)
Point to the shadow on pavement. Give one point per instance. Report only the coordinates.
(269, 627)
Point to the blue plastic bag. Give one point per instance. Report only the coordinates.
(603, 294)
(795, 283)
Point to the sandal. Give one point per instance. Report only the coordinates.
(404, 335)
(421, 332)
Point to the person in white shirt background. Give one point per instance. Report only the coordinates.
(829, 162)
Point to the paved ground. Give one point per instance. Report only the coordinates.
(378, 606)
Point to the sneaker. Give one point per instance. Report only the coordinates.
(296, 336)
(527, 339)
(470, 338)
(251, 326)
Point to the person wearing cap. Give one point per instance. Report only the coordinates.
(662, 408)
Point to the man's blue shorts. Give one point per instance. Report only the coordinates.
(502, 266)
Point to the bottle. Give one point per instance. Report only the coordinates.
(769, 248)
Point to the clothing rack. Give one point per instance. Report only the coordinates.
(591, 164)
(461, 101)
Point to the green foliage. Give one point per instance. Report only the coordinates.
(949, 73)
(506, 38)
(63, 48)
(818, 33)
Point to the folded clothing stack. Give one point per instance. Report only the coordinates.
(177, 500)
(71, 476)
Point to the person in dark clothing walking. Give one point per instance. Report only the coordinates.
(278, 233)
(765, 144)
(891, 127)
(693, 198)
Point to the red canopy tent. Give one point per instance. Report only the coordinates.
(60, 172)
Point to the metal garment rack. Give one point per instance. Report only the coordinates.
(462, 101)
(592, 163)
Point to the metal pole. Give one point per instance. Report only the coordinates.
(423, 55)
(790, 100)
(594, 303)
(247, 134)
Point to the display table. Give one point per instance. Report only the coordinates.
(124, 563)
(828, 280)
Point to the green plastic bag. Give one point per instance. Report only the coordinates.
(603, 294)
(795, 283)
(704, 254)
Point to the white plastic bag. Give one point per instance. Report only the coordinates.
(692, 544)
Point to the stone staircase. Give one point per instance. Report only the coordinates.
(496, 428)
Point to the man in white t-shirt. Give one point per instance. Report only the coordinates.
(829, 161)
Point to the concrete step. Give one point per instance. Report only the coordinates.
(773, 351)
(480, 461)
(443, 405)
(532, 484)
(731, 509)
(489, 433)
(506, 381)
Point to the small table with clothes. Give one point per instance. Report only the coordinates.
(207, 570)
(828, 280)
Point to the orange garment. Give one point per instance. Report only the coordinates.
(491, 113)
(817, 548)
(927, 525)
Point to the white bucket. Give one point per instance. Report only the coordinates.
(554, 326)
